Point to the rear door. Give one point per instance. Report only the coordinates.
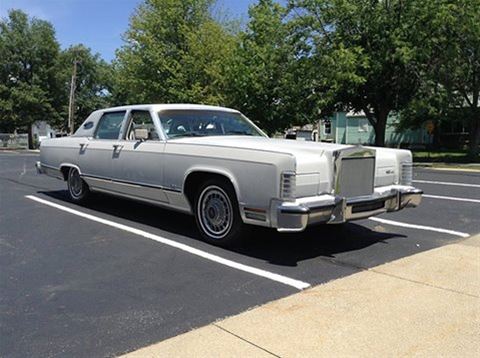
(97, 153)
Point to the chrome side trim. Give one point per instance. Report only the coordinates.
(41, 165)
(144, 200)
(49, 170)
(131, 183)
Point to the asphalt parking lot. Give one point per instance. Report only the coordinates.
(116, 275)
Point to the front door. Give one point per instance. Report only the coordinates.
(138, 165)
(97, 153)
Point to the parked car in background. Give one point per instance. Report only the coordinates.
(216, 164)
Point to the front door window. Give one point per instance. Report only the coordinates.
(141, 120)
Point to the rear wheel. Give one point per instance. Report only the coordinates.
(217, 214)
(77, 188)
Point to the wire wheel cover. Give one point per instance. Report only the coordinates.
(75, 183)
(215, 212)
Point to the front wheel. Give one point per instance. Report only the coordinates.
(217, 214)
(77, 188)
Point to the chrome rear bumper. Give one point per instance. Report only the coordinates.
(329, 209)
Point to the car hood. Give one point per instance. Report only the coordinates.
(286, 146)
(307, 154)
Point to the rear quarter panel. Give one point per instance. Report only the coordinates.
(58, 151)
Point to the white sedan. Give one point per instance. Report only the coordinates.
(216, 164)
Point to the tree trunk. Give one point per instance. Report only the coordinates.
(30, 137)
(380, 127)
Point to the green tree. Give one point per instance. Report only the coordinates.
(264, 76)
(174, 52)
(28, 82)
(369, 54)
(450, 87)
(464, 76)
(93, 83)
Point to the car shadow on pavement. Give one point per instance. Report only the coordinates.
(327, 241)
(262, 243)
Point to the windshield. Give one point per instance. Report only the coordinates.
(200, 123)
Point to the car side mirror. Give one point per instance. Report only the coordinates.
(141, 134)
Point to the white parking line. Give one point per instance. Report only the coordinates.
(420, 227)
(451, 198)
(255, 271)
(447, 183)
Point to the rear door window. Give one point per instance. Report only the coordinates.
(109, 125)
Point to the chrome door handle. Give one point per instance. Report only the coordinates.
(83, 146)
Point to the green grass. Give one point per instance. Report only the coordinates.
(444, 156)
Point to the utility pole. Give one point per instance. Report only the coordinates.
(71, 102)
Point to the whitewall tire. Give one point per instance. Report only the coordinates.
(217, 213)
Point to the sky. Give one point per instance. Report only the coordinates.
(98, 24)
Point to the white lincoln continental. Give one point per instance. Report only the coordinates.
(216, 164)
